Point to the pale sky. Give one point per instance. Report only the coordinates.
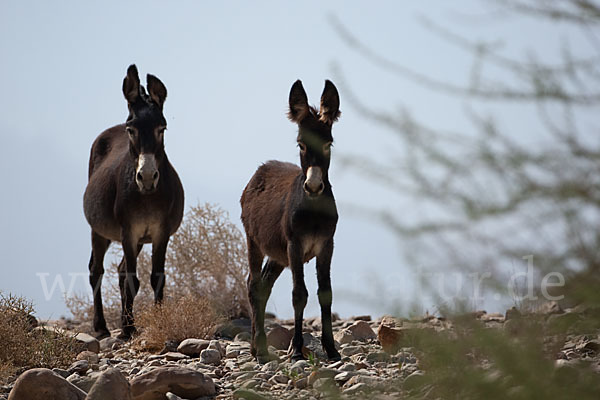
(228, 67)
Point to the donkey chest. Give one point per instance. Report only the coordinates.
(146, 226)
(312, 245)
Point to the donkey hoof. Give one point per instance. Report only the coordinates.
(334, 357)
(297, 356)
(102, 334)
(126, 334)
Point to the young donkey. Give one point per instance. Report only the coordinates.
(133, 196)
(289, 215)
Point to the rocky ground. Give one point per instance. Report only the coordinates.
(377, 362)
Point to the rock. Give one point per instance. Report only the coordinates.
(343, 377)
(377, 356)
(301, 383)
(271, 366)
(89, 356)
(350, 351)
(171, 396)
(79, 367)
(279, 337)
(216, 345)
(210, 356)
(355, 389)
(111, 384)
(366, 318)
(109, 342)
(192, 347)
(248, 394)
(326, 386)
(43, 384)
(243, 337)
(343, 336)
(389, 338)
(62, 372)
(181, 381)
(175, 356)
(362, 331)
(89, 342)
(320, 374)
(82, 382)
(231, 328)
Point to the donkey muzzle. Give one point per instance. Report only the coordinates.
(313, 186)
(146, 174)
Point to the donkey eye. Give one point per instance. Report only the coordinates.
(130, 131)
(327, 147)
(302, 146)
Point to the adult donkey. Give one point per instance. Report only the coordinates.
(289, 215)
(133, 196)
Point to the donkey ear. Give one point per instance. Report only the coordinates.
(298, 103)
(156, 90)
(330, 104)
(131, 84)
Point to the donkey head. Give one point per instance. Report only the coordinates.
(314, 134)
(145, 126)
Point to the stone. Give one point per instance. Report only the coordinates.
(248, 394)
(175, 356)
(512, 313)
(389, 338)
(243, 337)
(109, 343)
(301, 383)
(89, 342)
(181, 381)
(62, 372)
(79, 367)
(326, 386)
(343, 336)
(210, 356)
(171, 396)
(279, 337)
(350, 351)
(89, 356)
(111, 384)
(377, 356)
(216, 345)
(43, 384)
(321, 373)
(271, 366)
(192, 347)
(82, 382)
(231, 328)
(362, 331)
(355, 389)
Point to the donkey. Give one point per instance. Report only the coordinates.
(133, 196)
(289, 215)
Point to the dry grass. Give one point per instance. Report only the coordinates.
(206, 258)
(22, 346)
(186, 317)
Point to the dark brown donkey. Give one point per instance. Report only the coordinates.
(289, 215)
(133, 196)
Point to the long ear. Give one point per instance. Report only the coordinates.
(131, 84)
(156, 90)
(330, 103)
(298, 103)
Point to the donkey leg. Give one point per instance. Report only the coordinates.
(299, 297)
(255, 257)
(129, 285)
(157, 277)
(96, 267)
(269, 275)
(325, 298)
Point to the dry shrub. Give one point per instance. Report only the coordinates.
(206, 258)
(175, 320)
(24, 346)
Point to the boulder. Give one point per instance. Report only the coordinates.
(184, 382)
(111, 384)
(279, 337)
(43, 384)
(361, 330)
(210, 356)
(192, 347)
(88, 342)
